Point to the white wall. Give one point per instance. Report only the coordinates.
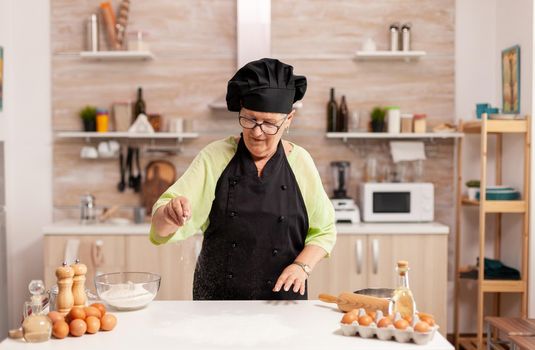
(475, 59)
(483, 29)
(27, 132)
(514, 27)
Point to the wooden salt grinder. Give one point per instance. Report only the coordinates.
(64, 300)
(78, 287)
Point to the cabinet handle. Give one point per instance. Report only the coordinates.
(358, 255)
(375, 256)
(97, 255)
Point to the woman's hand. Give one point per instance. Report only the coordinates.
(177, 211)
(292, 275)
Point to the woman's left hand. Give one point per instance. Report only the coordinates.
(292, 275)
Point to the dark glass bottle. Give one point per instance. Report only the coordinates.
(332, 111)
(343, 116)
(139, 106)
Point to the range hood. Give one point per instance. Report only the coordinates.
(253, 38)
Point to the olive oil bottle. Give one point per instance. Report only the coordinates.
(402, 299)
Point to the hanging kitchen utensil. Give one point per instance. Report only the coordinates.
(159, 175)
(122, 167)
(129, 159)
(137, 177)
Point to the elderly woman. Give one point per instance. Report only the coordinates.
(259, 200)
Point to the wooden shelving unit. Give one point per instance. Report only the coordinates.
(484, 128)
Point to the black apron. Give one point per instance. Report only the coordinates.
(258, 226)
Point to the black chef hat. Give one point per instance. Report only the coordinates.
(266, 85)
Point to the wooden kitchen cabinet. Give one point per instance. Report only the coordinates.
(102, 253)
(344, 270)
(175, 262)
(427, 256)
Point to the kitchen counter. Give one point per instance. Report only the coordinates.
(227, 325)
(74, 228)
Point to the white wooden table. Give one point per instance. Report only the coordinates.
(227, 325)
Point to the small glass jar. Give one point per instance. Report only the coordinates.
(137, 41)
(406, 123)
(419, 123)
(103, 120)
(394, 36)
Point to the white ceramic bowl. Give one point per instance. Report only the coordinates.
(127, 290)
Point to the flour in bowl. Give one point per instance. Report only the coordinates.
(127, 296)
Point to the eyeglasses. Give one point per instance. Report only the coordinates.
(266, 127)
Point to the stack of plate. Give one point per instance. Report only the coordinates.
(500, 193)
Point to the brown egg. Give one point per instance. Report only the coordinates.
(76, 313)
(55, 316)
(78, 327)
(424, 314)
(422, 327)
(365, 320)
(430, 321)
(372, 314)
(101, 308)
(401, 324)
(349, 317)
(93, 324)
(92, 311)
(407, 318)
(108, 322)
(60, 329)
(384, 322)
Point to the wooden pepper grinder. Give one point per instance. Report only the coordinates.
(64, 300)
(78, 287)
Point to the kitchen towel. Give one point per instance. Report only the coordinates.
(407, 150)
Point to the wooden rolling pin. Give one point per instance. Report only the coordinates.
(348, 301)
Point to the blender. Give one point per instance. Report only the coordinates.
(345, 209)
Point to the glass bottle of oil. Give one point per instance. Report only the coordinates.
(36, 326)
(402, 300)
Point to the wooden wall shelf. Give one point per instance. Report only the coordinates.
(116, 55)
(389, 55)
(125, 135)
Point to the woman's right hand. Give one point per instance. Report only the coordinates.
(177, 211)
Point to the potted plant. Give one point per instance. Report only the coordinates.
(473, 188)
(89, 118)
(378, 119)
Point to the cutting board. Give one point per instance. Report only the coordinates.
(159, 175)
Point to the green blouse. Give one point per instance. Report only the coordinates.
(199, 182)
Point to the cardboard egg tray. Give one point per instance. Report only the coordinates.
(390, 332)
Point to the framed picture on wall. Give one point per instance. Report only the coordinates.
(511, 80)
(1, 77)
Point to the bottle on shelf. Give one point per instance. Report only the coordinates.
(139, 106)
(343, 116)
(402, 300)
(332, 111)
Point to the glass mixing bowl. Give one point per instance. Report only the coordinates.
(127, 290)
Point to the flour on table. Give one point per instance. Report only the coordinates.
(228, 330)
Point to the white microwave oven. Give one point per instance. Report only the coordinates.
(397, 202)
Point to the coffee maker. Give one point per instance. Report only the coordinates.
(345, 209)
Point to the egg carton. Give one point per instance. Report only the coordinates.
(389, 332)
